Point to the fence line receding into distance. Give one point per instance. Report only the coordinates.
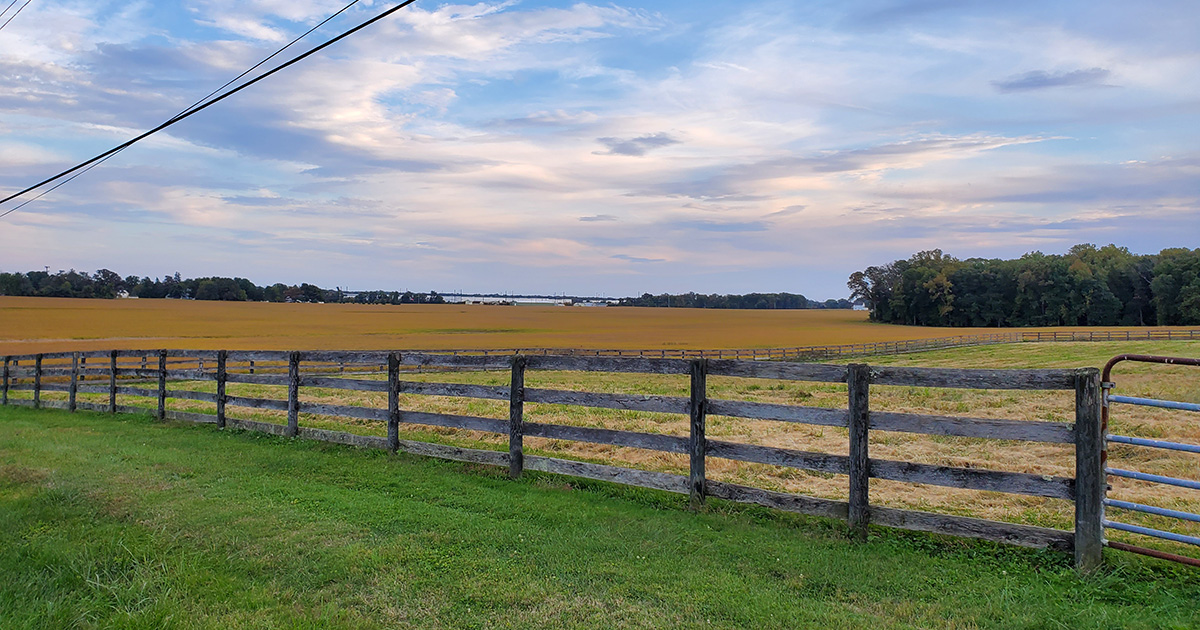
(111, 373)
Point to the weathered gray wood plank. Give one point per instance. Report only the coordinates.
(373, 358)
(328, 382)
(258, 379)
(858, 383)
(419, 359)
(628, 476)
(137, 391)
(187, 416)
(256, 403)
(442, 451)
(471, 423)
(240, 356)
(516, 418)
(632, 439)
(1023, 430)
(190, 395)
(341, 437)
(346, 411)
(784, 413)
(631, 402)
(609, 364)
(459, 390)
(293, 408)
(261, 427)
(972, 379)
(697, 412)
(781, 501)
(804, 460)
(191, 375)
(1091, 481)
(778, 370)
(162, 384)
(393, 402)
(222, 379)
(974, 479)
(964, 527)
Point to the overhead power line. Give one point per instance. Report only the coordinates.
(184, 111)
(10, 5)
(209, 103)
(10, 18)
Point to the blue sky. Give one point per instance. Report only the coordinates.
(616, 149)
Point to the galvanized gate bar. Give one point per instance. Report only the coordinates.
(1141, 476)
(1150, 509)
(1171, 446)
(1157, 533)
(1154, 402)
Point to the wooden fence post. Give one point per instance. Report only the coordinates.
(7, 359)
(82, 368)
(1091, 482)
(112, 382)
(37, 382)
(293, 417)
(858, 382)
(162, 384)
(393, 432)
(696, 441)
(73, 388)
(222, 377)
(516, 418)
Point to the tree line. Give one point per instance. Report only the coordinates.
(107, 284)
(747, 301)
(1088, 286)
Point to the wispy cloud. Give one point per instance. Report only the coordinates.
(1041, 80)
(636, 147)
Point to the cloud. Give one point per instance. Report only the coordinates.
(1041, 80)
(635, 147)
(598, 217)
(635, 259)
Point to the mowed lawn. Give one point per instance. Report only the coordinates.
(118, 521)
(29, 325)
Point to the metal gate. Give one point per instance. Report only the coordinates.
(1109, 399)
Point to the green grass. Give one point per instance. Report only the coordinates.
(122, 522)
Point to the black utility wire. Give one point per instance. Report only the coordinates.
(185, 110)
(10, 18)
(10, 5)
(212, 102)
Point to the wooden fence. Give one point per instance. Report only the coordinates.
(116, 372)
(845, 351)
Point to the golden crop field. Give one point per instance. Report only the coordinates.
(56, 324)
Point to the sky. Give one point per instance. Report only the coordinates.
(598, 149)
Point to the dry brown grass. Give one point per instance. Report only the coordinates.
(30, 325)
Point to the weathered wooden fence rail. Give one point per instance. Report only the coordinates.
(844, 351)
(158, 370)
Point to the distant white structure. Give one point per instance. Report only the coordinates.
(506, 301)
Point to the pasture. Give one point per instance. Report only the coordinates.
(58, 324)
(124, 522)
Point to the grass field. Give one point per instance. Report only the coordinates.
(30, 325)
(122, 522)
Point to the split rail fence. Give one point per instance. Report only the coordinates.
(117, 373)
(850, 350)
